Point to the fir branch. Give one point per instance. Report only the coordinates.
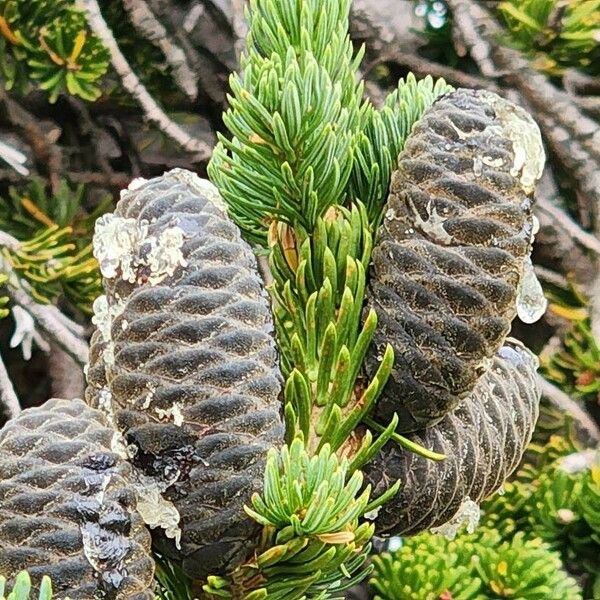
(52, 324)
(383, 135)
(54, 256)
(472, 567)
(149, 27)
(131, 82)
(563, 221)
(319, 284)
(294, 115)
(314, 546)
(56, 326)
(49, 41)
(556, 35)
(565, 404)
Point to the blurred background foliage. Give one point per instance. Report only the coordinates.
(71, 137)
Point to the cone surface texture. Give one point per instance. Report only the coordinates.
(68, 507)
(483, 439)
(185, 353)
(451, 251)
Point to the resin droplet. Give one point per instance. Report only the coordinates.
(531, 303)
(106, 551)
(394, 543)
(433, 226)
(156, 510)
(523, 357)
(524, 133)
(124, 247)
(104, 314)
(116, 241)
(165, 254)
(468, 514)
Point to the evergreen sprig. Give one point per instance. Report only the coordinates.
(319, 291)
(555, 504)
(294, 116)
(49, 41)
(55, 257)
(50, 265)
(315, 541)
(305, 174)
(171, 582)
(22, 589)
(476, 566)
(576, 365)
(555, 33)
(304, 139)
(382, 136)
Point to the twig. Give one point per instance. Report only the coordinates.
(75, 328)
(422, 67)
(563, 220)
(578, 83)
(551, 277)
(8, 397)
(52, 325)
(566, 404)
(478, 34)
(112, 180)
(46, 153)
(56, 326)
(149, 27)
(134, 86)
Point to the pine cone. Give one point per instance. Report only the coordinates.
(186, 338)
(67, 506)
(452, 251)
(483, 439)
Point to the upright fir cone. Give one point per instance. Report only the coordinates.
(483, 439)
(68, 506)
(453, 251)
(184, 359)
(450, 271)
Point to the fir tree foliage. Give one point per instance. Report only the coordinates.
(477, 566)
(318, 291)
(50, 42)
(559, 505)
(314, 545)
(382, 136)
(55, 256)
(557, 34)
(21, 589)
(303, 137)
(576, 365)
(171, 582)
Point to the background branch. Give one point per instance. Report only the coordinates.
(134, 86)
